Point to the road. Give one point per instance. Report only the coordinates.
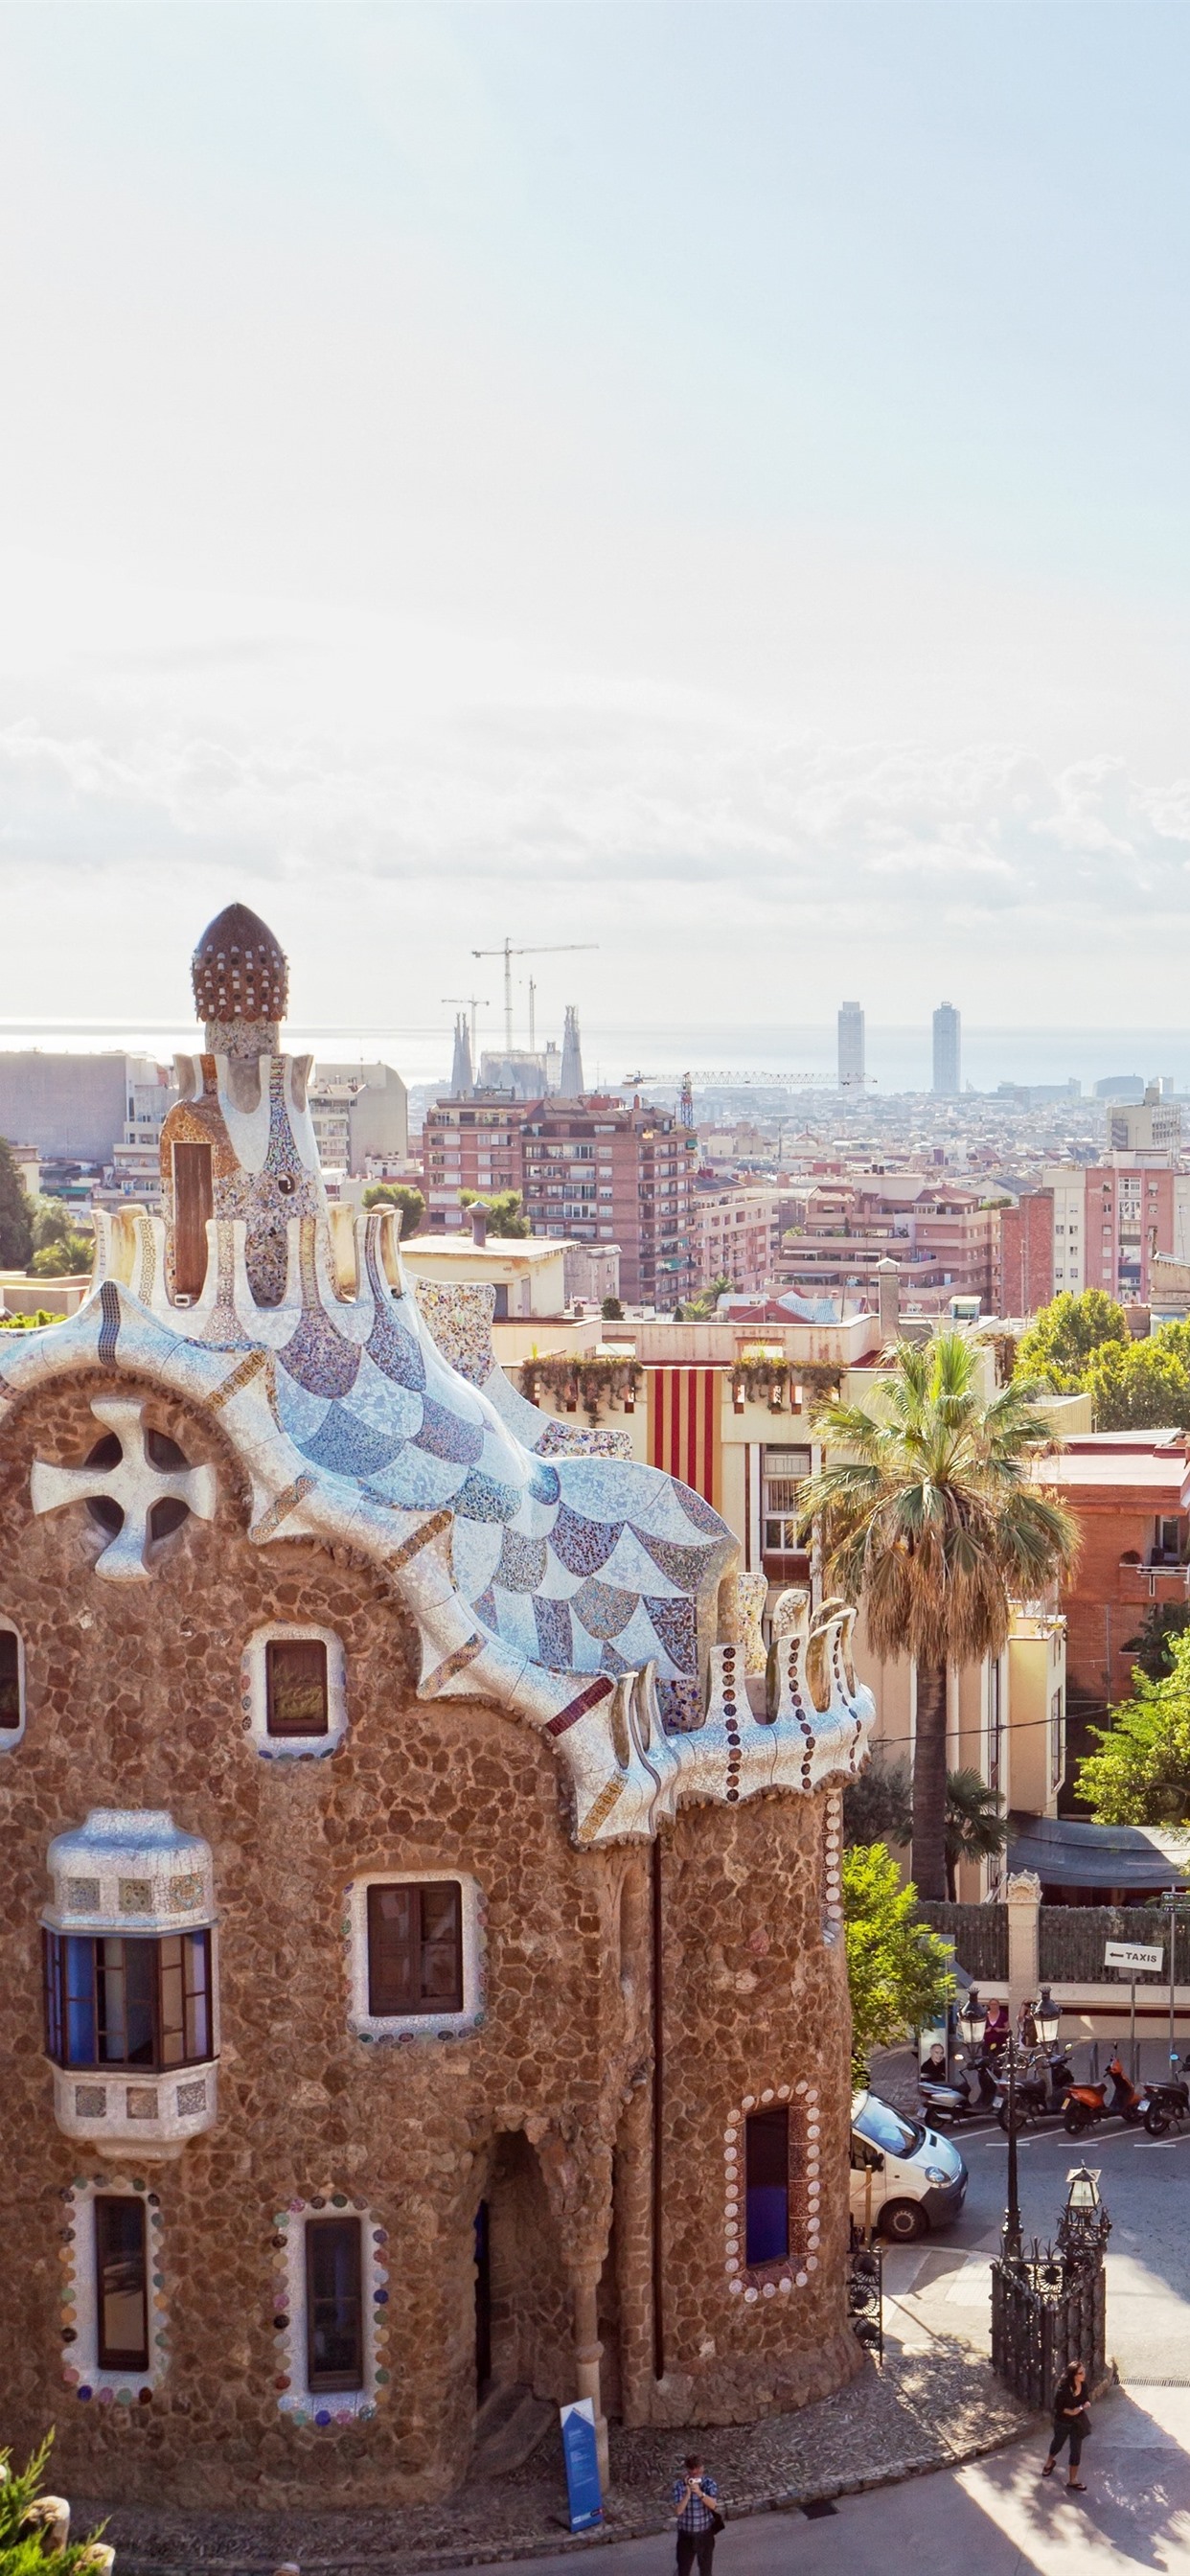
(1145, 2183)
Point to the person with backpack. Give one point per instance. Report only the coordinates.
(698, 2517)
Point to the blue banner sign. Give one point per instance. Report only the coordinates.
(582, 2463)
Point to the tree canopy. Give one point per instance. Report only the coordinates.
(1063, 1338)
(897, 1969)
(505, 1211)
(401, 1195)
(930, 1516)
(16, 1221)
(878, 1808)
(1140, 1774)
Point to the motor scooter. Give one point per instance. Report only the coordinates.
(1040, 2089)
(1086, 2103)
(1167, 2102)
(949, 2101)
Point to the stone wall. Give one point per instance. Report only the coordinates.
(134, 1700)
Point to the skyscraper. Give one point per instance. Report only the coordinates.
(571, 1083)
(851, 1047)
(947, 1033)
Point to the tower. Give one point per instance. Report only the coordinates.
(462, 1080)
(686, 1102)
(571, 1085)
(851, 1047)
(947, 1040)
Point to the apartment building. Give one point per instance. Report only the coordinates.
(945, 1241)
(360, 1115)
(593, 1170)
(737, 1235)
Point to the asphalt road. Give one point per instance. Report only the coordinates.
(1145, 2185)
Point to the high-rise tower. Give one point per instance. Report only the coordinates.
(462, 1080)
(851, 1047)
(947, 1037)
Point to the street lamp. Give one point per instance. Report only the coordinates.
(1085, 2226)
(1047, 2016)
(971, 2018)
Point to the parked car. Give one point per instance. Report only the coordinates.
(919, 2180)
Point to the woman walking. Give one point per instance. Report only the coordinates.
(1072, 2423)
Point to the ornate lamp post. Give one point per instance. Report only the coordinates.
(1084, 2227)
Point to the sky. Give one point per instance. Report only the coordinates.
(708, 481)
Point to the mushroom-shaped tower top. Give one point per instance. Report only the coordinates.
(239, 971)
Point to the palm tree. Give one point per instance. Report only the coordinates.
(975, 1828)
(932, 1520)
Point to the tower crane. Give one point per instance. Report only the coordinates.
(565, 948)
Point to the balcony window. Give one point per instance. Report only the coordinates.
(110, 2001)
(785, 1471)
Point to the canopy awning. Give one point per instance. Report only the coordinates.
(1065, 1853)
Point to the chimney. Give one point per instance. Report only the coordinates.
(889, 1280)
(479, 1225)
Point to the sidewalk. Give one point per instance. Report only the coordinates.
(996, 2517)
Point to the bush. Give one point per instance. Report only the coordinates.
(22, 2552)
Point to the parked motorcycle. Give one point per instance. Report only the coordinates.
(1040, 2089)
(946, 2102)
(1086, 2103)
(1168, 2101)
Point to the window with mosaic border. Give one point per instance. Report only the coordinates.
(317, 2408)
(781, 2275)
(255, 1692)
(80, 2322)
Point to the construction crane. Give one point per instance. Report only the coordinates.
(565, 948)
(473, 1003)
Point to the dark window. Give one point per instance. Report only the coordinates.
(10, 1678)
(112, 2002)
(121, 2289)
(194, 1202)
(334, 2304)
(295, 1684)
(766, 2153)
(415, 1948)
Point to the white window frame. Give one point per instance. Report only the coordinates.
(80, 2359)
(365, 2024)
(10, 1735)
(255, 1690)
(299, 2401)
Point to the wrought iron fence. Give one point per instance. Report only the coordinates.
(1048, 2310)
(865, 2293)
(979, 1934)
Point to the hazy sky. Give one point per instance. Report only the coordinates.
(708, 479)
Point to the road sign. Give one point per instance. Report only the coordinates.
(1139, 1957)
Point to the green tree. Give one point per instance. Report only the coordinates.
(506, 1214)
(878, 1808)
(897, 1970)
(612, 1310)
(975, 1827)
(932, 1519)
(1140, 1385)
(1153, 1644)
(1141, 1772)
(51, 1222)
(22, 2549)
(402, 1195)
(16, 1227)
(1063, 1339)
(701, 1309)
(69, 1259)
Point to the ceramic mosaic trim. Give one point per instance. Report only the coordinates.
(79, 2318)
(771, 2280)
(295, 2400)
(832, 1864)
(407, 2028)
